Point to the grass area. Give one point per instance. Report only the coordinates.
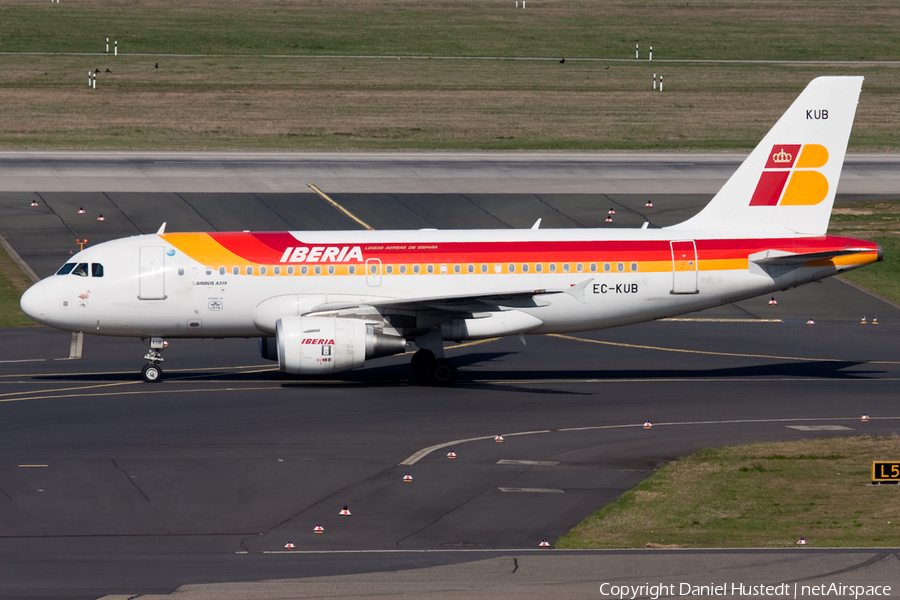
(878, 222)
(241, 100)
(793, 30)
(13, 282)
(764, 495)
(253, 103)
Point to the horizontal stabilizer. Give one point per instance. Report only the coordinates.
(780, 257)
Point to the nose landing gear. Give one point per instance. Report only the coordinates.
(152, 372)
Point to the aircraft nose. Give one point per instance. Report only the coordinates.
(34, 302)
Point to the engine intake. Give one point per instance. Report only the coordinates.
(323, 345)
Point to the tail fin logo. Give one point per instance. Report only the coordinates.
(789, 182)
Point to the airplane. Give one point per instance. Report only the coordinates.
(324, 302)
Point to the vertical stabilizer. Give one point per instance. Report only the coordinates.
(787, 184)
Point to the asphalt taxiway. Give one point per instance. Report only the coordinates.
(109, 486)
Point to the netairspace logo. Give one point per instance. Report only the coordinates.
(782, 590)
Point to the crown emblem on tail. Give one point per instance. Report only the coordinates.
(782, 157)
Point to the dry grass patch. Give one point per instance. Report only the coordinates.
(756, 495)
(346, 104)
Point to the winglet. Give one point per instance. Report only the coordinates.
(162, 229)
(576, 290)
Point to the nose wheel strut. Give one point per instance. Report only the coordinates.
(152, 371)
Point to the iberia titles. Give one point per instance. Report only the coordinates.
(322, 254)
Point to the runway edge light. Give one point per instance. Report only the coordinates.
(289, 545)
(498, 438)
(345, 511)
(810, 322)
(544, 544)
(318, 528)
(647, 424)
(864, 417)
(801, 541)
(773, 302)
(451, 454)
(407, 478)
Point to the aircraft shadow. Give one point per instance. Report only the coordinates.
(400, 374)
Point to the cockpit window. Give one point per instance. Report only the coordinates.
(66, 269)
(96, 270)
(81, 270)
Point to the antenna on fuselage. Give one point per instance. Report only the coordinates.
(537, 224)
(162, 229)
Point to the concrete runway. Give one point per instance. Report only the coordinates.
(203, 479)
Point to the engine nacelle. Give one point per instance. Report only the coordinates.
(323, 345)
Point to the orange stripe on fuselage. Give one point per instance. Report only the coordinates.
(267, 249)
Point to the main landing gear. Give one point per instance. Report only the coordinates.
(435, 371)
(152, 372)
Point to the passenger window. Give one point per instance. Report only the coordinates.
(444, 269)
(403, 269)
(553, 268)
(181, 270)
(634, 267)
(456, 268)
(276, 270)
(498, 269)
(484, 268)
(81, 270)
(304, 270)
(235, 270)
(525, 268)
(416, 269)
(538, 268)
(352, 270)
(579, 267)
(511, 268)
(471, 268)
(208, 271)
(388, 269)
(318, 270)
(262, 271)
(290, 270)
(430, 269)
(566, 267)
(66, 269)
(331, 269)
(606, 267)
(221, 270)
(593, 267)
(249, 270)
(620, 268)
